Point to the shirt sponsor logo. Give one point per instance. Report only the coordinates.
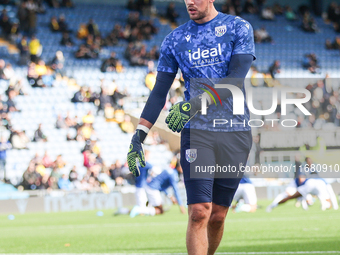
(200, 56)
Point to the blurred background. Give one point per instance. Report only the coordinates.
(75, 75)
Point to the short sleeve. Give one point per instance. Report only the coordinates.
(244, 38)
(167, 61)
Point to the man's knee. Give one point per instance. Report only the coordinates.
(217, 219)
(218, 216)
(199, 213)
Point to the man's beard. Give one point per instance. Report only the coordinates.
(200, 15)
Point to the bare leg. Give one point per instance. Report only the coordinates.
(216, 227)
(296, 195)
(197, 236)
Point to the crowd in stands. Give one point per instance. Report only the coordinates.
(333, 15)
(324, 105)
(49, 174)
(44, 172)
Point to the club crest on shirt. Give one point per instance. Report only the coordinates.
(219, 31)
(191, 155)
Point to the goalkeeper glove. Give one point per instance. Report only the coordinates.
(136, 152)
(182, 112)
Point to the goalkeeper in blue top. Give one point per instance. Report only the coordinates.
(209, 49)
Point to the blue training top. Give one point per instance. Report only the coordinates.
(141, 179)
(245, 180)
(164, 180)
(204, 51)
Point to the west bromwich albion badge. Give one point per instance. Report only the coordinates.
(191, 155)
(219, 31)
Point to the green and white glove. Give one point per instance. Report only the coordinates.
(181, 113)
(136, 152)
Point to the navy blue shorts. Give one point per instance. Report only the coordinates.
(224, 150)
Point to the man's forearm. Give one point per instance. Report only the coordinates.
(157, 99)
(238, 69)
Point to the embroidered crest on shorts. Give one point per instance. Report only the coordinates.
(191, 155)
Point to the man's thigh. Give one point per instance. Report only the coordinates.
(197, 152)
(232, 153)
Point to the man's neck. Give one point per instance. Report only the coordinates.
(211, 15)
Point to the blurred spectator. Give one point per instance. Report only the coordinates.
(4, 146)
(11, 107)
(116, 173)
(57, 63)
(310, 62)
(19, 140)
(171, 14)
(47, 161)
(31, 178)
(66, 40)
(86, 52)
(138, 55)
(39, 135)
(80, 96)
(131, 5)
(40, 68)
(333, 46)
(59, 163)
(9, 74)
(63, 26)
(2, 67)
(67, 3)
(109, 65)
(275, 68)
(115, 35)
(53, 3)
(22, 15)
(60, 124)
(33, 78)
(278, 9)
(127, 126)
(35, 49)
(290, 14)
(32, 8)
(249, 7)
(309, 24)
(105, 99)
(257, 148)
(268, 14)
(13, 35)
(82, 31)
(17, 87)
(54, 24)
(64, 183)
(237, 7)
(92, 28)
(150, 80)
(261, 35)
(333, 13)
(24, 51)
(73, 176)
(6, 25)
(228, 8)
